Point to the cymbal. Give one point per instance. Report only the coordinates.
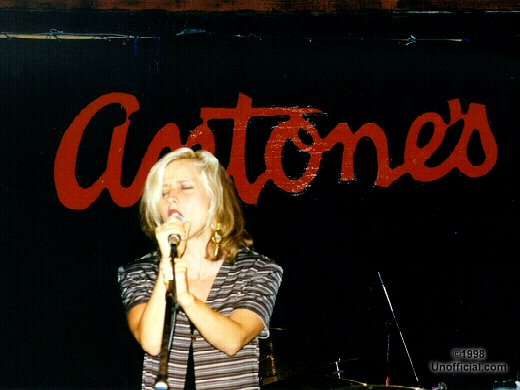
(367, 386)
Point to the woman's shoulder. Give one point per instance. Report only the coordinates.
(248, 257)
(245, 253)
(150, 261)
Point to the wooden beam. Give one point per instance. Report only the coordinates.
(265, 5)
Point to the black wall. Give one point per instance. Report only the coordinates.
(445, 249)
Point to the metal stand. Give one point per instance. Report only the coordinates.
(161, 382)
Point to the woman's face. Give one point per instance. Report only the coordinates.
(184, 193)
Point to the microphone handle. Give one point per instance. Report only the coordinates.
(173, 251)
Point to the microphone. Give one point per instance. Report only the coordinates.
(170, 311)
(174, 239)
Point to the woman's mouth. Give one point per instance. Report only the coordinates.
(177, 214)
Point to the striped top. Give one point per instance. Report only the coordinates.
(250, 282)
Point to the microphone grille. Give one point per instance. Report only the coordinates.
(174, 239)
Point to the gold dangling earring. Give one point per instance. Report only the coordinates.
(216, 238)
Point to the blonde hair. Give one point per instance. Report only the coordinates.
(225, 207)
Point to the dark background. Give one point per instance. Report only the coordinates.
(446, 250)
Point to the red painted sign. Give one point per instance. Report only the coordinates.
(475, 124)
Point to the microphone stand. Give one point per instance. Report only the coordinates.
(387, 381)
(170, 316)
(398, 329)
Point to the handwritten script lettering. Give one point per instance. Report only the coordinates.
(295, 120)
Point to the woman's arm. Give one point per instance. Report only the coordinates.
(226, 333)
(146, 320)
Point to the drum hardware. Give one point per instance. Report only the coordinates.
(440, 386)
(271, 372)
(345, 369)
(338, 372)
(279, 356)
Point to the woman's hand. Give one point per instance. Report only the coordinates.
(182, 292)
(184, 297)
(173, 226)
